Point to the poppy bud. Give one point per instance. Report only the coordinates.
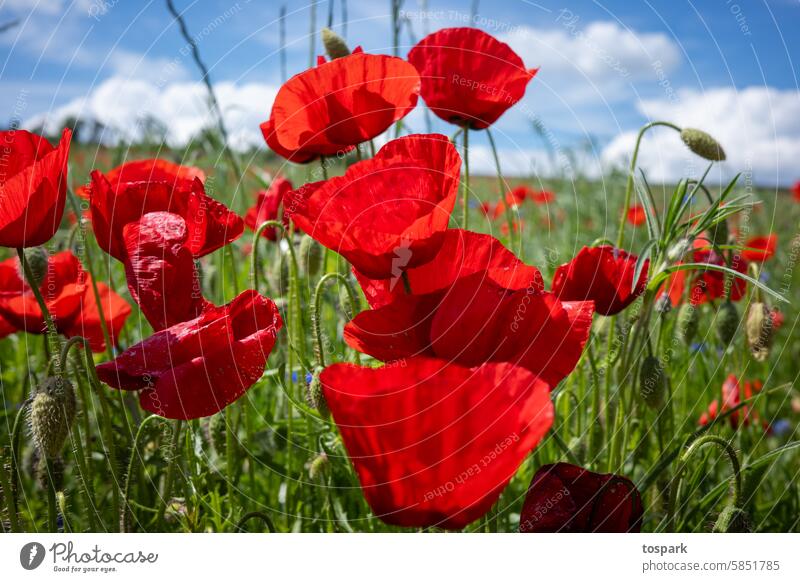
(218, 432)
(318, 466)
(51, 414)
(311, 255)
(38, 260)
(759, 327)
(688, 322)
(727, 322)
(718, 234)
(314, 395)
(703, 145)
(676, 252)
(733, 520)
(335, 45)
(652, 382)
(663, 304)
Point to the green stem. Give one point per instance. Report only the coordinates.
(170, 476)
(52, 511)
(501, 186)
(256, 515)
(632, 170)
(14, 461)
(5, 483)
(52, 332)
(465, 183)
(319, 349)
(129, 476)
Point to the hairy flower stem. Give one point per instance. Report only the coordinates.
(319, 348)
(5, 484)
(682, 464)
(52, 333)
(129, 475)
(13, 491)
(52, 510)
(170, 476)
(465, 183)
(501, 187)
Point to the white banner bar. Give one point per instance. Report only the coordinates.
(400, 557)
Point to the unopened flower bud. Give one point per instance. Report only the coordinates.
(314, 395)
(318, 466)
(652, 382)
(703, 144)
(335, 45)
(38, 260)
(733, 520)
(312, 255)
(759, 327)
(688, 322)
(52, 411)
(727, 322)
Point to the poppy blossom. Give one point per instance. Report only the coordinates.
(569, 499)
(388, 213)
(434, 443)
(462, 253)
(33, 187)
(541, 197)
(733, 392)
(516, 225)
(469, 78)
(518, 195)
(211, 225)
(6, 329)
(603, 274)
(329, 109)
(636, 215)
(69, 296)
(763, 248)
(477, 320)
(266, 208)
(796, 191)
(706, 284)
(198, 367)
(160, 270)
(150, 170)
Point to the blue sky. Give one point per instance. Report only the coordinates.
(606, 68)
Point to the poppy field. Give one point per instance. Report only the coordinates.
(349, 331)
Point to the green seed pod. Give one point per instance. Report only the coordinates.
(688, 322)
(38, 260)
(311, 255)
(759, 328)
(652, 382)
(314, 395)
(335, 45)
(727, 322)
(733, 520)
(703, 144)
(52, 411)
(319, 466)
(218, 432)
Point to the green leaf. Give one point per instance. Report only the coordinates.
(657, 280)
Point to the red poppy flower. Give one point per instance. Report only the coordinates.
(542, 197)
(517, 225)
(336, 105)
(211, 225)
(570, 499)
(267, 206)
(706, 285)
(796, 191)
(763, 248)
(777, 318)
(433, 443)
(151, 170)
(198, 367)
(462, 253)
(603, 274)
(388, 213)
(636, 215)
(469, 77)
(6, 329)
(733, 392)
(33, 187)
(476, 321)
(69, 296)
(518, 195)
(160, 269)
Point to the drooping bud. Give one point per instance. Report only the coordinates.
(38, 260)
(318, 466)
(335, 45)
(760, 328)
(727, 322)
(218, 432)
(703, 144)
(314, 395)
(688, 322)
(652, 382)
(311, 255)
(733, 520)
(52, 411)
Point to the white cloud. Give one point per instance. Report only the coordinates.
(135, 65)
(759, 128)
(126, 105)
